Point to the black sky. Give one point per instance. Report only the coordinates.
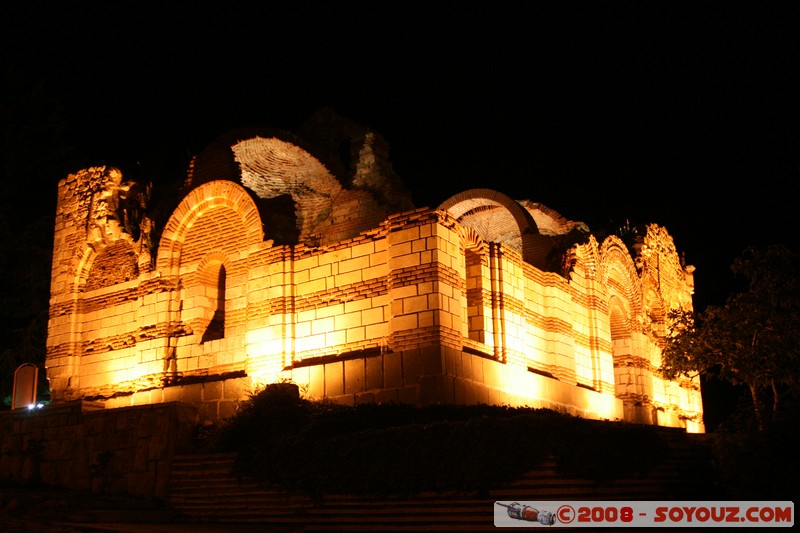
(682, 114)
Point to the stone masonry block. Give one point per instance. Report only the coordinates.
(411, 367)
(354, 265)
(492, 372)
(355, 335)
(408, 291)
(172, 394)
(431, 360)
(348, 278)
(192, 393)
(465, 392)
(329, 311)
(316, 386)
(403, 236)
(323, 325)
(364, 249)
(347, 399)
(467, 361)
(379, 270)
(358, 305)
(409, 394)
(334, 379)
(404, 322)
(347, 320)
(427, 318)
(365, 397)
(375, 315)
(452, 359)
(336, 338)
(393, 370)
(374, 373)
(431, 390)
(320, 272)
(354, 376)
(404, 261)
(212, 391)
(387, 396)
(415, 304)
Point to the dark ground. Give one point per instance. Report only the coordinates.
(54, 510)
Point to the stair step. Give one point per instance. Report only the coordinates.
(204, 489)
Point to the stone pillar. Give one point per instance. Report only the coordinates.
(425, 287)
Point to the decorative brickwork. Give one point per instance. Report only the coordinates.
(272, 267)
(115, 264)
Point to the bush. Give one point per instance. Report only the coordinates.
(318, 447)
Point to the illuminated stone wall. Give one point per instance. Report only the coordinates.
(82, 446)
(374, 301)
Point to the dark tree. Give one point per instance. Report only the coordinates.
(752, 340)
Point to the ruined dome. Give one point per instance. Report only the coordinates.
(308, 190)
(271, 167)
(549, 221)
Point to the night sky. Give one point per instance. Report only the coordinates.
(681, 114)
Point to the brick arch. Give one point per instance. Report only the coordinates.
(209, 195)
(211, 275)
(654, 303)
(115, 263)
(85, 273)
(211, 259)
(621, 343)
(273, 168)
(83, 268)
(497, 217)
(588, 256)
(460, 204)
(619, 319)
(476, 291)
(218, 159)
(616, 269)
(470, 240)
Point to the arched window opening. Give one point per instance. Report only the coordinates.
(628, 370)
(624, 375)
(214, 281)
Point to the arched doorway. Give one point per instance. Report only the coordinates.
(628, 374)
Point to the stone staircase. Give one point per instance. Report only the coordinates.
(203, 490)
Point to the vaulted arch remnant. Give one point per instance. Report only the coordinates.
(496, 217)
(240, 211)
(627, 368)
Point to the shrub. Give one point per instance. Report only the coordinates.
(285, 441)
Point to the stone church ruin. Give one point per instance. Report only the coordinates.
(300, 256)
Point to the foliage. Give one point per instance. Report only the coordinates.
(752, 339)
(631, 235)
(319, 447)
(561, 259)
(760, 464)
